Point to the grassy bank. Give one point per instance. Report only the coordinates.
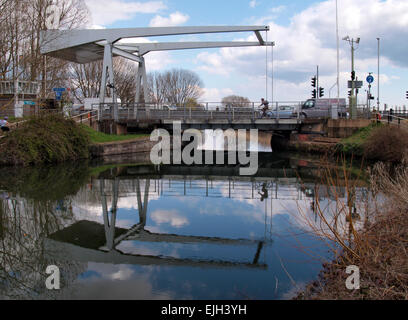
(376, 142)
(354, 145)
(374, 240)
(100, 137)
(44, 139)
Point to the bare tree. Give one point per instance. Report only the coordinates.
(85, 79)
(156, 88)
(236, 101)
(176, 86)
(125, 79)
(21, 22)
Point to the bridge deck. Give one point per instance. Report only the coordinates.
(200, 119)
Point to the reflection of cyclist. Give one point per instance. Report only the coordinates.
(265, 105)
(264, 193)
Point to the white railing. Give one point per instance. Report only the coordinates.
(23, 87)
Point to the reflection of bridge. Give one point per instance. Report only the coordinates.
(206, 181)
(77, 242)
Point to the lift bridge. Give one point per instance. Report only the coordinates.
(84, 46)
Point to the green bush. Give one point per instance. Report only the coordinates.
(44, 139)
(354, 145)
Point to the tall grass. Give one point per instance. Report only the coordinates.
(366, 227)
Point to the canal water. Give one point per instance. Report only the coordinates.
(131, 230)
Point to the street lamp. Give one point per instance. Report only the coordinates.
(352, 102)
(378, 76)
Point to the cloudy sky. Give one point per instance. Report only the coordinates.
(304, 33)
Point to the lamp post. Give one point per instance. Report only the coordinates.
(272, 97)
(352, 101)
(338, 58)
(378, 74)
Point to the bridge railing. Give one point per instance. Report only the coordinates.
(203, 112)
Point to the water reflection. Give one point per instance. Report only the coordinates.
(174, 232)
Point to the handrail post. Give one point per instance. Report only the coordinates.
(298, 111)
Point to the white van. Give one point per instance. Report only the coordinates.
(321, 108)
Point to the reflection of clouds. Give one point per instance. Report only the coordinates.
(111, 285)
(113, 272)
(172, 217)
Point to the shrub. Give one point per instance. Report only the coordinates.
(386, 143)
(44, 139)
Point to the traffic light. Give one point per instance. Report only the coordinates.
(314, 93)
(353, 75)
(406, 94)
(349, 93)
(321, 92)
(357, 91)
(314, 82)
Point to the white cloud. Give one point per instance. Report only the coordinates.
(310, 40)
(278, 9)
(175, 19)
(172, 217)
(215, 95)
(158, 60)
(253, 3)
(106, 12)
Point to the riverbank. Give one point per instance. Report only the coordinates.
(379, 248)
(52, 139)
(376, 142)
(43, 140)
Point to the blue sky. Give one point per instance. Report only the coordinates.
(304, 33)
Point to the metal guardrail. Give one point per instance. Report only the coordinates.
(209, 111)
(391, 119)
(203, 112)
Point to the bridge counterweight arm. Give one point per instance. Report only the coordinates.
(144, 48)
